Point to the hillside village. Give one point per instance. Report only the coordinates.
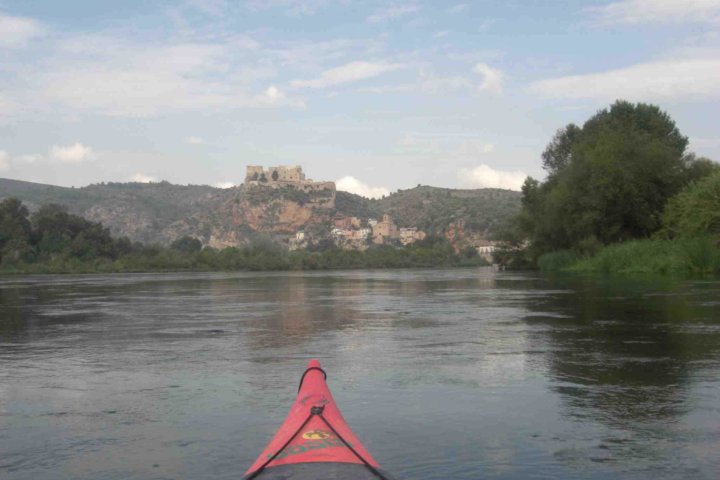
(348, 232)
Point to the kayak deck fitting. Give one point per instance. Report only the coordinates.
(314, 442)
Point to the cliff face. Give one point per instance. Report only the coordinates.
(162, 212)
(280, 212)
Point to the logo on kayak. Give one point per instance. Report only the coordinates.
(316, 435)
(313, 440)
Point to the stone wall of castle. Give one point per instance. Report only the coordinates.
(285, 176)
(281, 174)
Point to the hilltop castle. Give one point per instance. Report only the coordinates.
(284, 176)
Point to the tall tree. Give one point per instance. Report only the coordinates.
(58, 232)
(559, 151)
(608, 181)
(15, 230)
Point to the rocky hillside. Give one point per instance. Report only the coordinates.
(434, 210)
(149, 213)
(162, 212)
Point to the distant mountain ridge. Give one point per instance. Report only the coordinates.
(162, 212)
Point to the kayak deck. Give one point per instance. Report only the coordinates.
(319, 470)
(314, 442)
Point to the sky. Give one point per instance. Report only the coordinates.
(376, 95)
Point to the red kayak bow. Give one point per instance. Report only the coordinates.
(315, 441)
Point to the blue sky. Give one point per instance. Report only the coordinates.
(378, 95)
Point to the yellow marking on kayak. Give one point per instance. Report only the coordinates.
(316, 435)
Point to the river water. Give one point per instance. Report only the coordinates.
(443, 374)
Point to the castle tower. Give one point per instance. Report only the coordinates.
(253, 173)
(272, 175)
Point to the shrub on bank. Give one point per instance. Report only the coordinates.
(679, 256)
(557, 261)
(695, 211)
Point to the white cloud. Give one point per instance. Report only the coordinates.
(492, 78)
(422, 143)
(353, 185)
(4, 162)
(427, 82)
(472, 148)
(403, 87)
(392, 12)
(117, 77)
(312, 55)
(451, 145)
(682, 79)
(274, 96)
(475, 55)
(292, 7)
(224, 185)
(485, 24)
(117, 74)
(17, 31)
(29, 158)
(76, 153)
(441, 34)
(635, 12)
(458, 8)
(209, 7)
(142, 178)
(195, 140)
(349, 72)
(8, 107)
(484, 176)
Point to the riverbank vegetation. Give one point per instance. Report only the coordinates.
(622, 194)
(678, 256)
(53, 241)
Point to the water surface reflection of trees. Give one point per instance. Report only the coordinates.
(623, 351)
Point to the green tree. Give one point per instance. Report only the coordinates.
(694, 212)
(57, 232)
(15, 231)
(559, 151)
(187, 244)
(608, 181)
(699, 167)
(54, 229)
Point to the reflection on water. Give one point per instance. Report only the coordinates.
(640, 358)
(459, 374)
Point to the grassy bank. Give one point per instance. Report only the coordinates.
(678, 256)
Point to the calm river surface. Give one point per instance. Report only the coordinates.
(444, 374)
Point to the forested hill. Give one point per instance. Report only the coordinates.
(434, 209)
(144, 212)
(162, 212)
